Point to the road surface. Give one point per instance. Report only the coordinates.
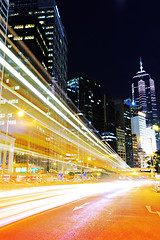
(123, 211)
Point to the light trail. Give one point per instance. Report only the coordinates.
(54, 121)
(23, 80)
(24, 203)
(27, 71)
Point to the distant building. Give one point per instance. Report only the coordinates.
(136, 162)
(121, 146)
(49, 17)
(123, 120)
(145, 135)
(109, 130)
(143, 94)
(146, 138)
(85, 94)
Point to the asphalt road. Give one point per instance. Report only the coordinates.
(121, 213)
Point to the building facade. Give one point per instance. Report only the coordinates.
(143, 94)
(4, 6)
(109, 131)
(146, 138)
(85, 94)
(136, 162)
(49, 17)
(29, 30)
(121, 146)
(123, 120)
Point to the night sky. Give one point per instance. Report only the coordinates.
(107, 37)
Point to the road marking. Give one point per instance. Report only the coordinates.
(149, 210)
(76, 208)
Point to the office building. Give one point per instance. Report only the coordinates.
(29, 30)
(109, 131)
(143, 94)
(146, 138)
(4, 5)
(123, 120)
(136, 162)
(85, 94)
(121, 146)
(49, 17)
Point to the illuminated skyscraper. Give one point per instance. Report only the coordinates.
(49, 17)
(143, 93)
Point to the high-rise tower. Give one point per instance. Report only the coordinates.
(143, 93)
(4, 5)
(49, 17)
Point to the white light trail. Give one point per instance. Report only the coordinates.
(35, 91)
(27, 71)
(20, 204)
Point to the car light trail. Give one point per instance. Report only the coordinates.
(20, 204)
(58, 134)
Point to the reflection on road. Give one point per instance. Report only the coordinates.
(19, 204)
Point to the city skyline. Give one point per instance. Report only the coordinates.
(106, 41)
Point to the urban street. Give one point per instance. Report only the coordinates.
(126, 210)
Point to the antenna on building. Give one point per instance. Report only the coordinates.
(141, 67)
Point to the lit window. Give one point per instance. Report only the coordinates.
(51, 16)
(28, 37)
(17, 38)
(2, 115)
(41, 17)
(18, 26)
(16, 87)
(41, 22)
(49, 27)
(12, 122)
(10, 35)
(1, 123)
(29, 26)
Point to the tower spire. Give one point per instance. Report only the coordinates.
(141, 67)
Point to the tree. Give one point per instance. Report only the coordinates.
(157, 162)
(154, 162)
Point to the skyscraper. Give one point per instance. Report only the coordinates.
(29, 30)
(143, 93)
(4, 4)
(49, 17)
(85, 93)
(123, 120)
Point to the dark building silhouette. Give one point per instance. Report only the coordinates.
(109, 129)
(49, 17)
(85, 94)
(29, 30)
(4, 6)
